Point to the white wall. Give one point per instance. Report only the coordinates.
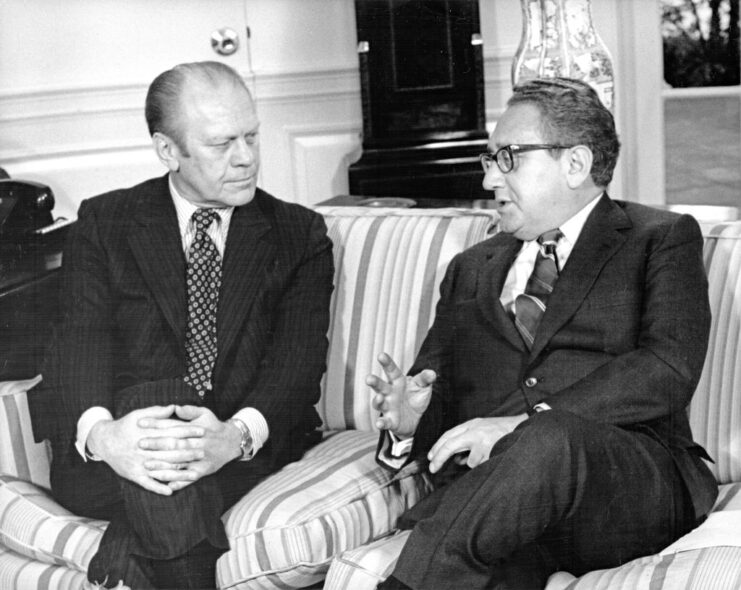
(73, 74)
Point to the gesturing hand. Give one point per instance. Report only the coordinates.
(476, 437)
(401, 400)
(117, 443)
(217, 444)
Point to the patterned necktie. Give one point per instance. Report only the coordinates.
(530, 306)
(203, 279)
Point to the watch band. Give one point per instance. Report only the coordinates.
(245, 444)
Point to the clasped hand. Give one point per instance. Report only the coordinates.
(165, 448)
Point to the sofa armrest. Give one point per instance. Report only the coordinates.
(20, 455)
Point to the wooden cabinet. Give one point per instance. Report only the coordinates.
(422, 91)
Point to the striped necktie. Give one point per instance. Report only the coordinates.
(203, 280)
(530, 306)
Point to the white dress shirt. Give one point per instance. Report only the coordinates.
(252, 418)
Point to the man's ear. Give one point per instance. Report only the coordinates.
(167, 151)
(579, 165)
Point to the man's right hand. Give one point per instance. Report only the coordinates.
(117, 443)
(401, 400)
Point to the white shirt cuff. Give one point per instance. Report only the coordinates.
(394, 451)
(89, 418)
(400, 447)
(258, 426)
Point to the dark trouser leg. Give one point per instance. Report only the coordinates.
(558, 493)
(179, 535)
(176, 534)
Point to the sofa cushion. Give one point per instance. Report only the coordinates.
(23, 573)
(388, 267)
(363, 568)
(34, 525)
(20, 455)
(285, 532)
(715, 568)
(715, 411)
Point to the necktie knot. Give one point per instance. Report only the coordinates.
(549, 240)
(203, 218)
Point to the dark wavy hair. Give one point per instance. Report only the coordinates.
(162, 105)
(573, 114)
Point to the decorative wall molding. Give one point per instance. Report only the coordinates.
(306, 84)
(326, 148)
(65, 106)
(55, 102)
(54, 134)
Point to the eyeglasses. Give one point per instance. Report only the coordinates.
(505, 156)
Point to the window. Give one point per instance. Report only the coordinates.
(702, 101)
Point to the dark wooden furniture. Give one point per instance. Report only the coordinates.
(29, 302)
(424, 119)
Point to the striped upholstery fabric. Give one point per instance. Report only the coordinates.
(19, 454)
(23, 573)
(388, 267)
(715, 412)
(34, 525)
(715, 568)
(363, 568)
(284, 533)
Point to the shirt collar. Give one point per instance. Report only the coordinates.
(571, 229)
(185, 209)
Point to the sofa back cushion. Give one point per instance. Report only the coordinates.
(715, 411)
(388, 267)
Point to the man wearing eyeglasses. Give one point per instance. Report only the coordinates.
(549, 396)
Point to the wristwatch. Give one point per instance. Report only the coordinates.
(246, 443)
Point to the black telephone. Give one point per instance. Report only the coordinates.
(25, 208)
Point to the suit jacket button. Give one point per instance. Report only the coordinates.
(531, 382)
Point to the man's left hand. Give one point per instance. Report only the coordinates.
(220, 445)
(476, 438)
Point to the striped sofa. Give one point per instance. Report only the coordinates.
(285, 532)
(708, 558)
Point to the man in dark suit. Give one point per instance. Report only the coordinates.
(549, 396)
(189, 357)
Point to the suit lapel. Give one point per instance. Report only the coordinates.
(157, 247)
(249, 250)
(600, 238)
(492, 276)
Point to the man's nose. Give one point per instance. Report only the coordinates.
(493, 178)
(243, 153)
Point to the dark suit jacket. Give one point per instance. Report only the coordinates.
(623, 339)
(124, 301)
